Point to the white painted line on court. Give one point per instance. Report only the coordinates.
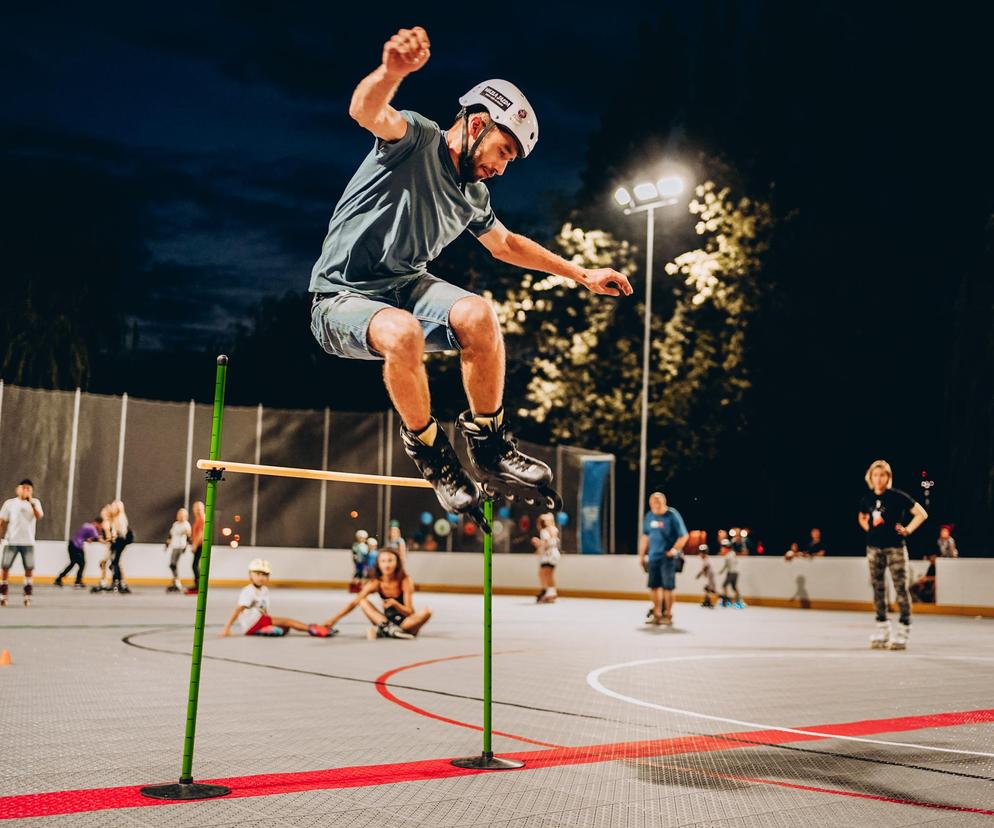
(593, 679)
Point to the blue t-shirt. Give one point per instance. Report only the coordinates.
(402, 207)
(663, 531)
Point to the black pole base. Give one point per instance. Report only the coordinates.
(184, 790)
(487, 761)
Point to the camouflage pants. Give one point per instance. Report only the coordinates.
(894, 558)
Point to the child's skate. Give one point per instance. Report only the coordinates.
(880, 640)
(501, 469)
(439, 465)
(900, 639)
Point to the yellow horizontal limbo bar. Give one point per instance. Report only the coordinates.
(313, 474)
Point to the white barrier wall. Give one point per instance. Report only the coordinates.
(963, 582)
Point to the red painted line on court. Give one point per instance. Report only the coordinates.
(97, 799)
(383, 690)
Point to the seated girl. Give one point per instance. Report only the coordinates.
(397, 618)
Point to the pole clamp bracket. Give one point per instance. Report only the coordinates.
(215, 475)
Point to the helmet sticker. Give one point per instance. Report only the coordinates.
(492, 94)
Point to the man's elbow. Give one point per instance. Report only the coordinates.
(359, 115)
(502, 249)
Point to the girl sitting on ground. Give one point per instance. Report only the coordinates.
(252, 611)
(397, 618)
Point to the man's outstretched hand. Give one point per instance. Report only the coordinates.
(607, 281)
(406, 52)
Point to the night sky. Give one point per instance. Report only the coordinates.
(200, 150)
(222, 132)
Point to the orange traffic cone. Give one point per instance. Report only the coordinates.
(5, 659)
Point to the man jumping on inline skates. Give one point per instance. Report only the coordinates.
(373, 298)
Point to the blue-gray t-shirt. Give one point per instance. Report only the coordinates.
(402, 207)
(663, 531)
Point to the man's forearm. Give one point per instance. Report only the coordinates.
(523, 252)
(373, 93)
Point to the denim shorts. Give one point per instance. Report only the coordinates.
(12, 550)
(662, 573)
(340, 320)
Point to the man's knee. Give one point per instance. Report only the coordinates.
(396, 333)
(474, 322)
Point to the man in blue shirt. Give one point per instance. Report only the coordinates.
(664, 535)
(418, 189)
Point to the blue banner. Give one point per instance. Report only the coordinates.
(593, 477)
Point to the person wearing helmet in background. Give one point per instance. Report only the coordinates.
(251, 613)
(360, 552)
(416, 191)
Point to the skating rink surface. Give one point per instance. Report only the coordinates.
(752, 717)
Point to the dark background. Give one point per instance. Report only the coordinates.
(168, 173)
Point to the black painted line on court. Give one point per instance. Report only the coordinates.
(839, 755)
(834, 754)
(71, 627)
(127, 640)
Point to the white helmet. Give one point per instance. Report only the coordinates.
(361, 535)
(260, 565)
(509, 108)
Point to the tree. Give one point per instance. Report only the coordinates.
(584, 353)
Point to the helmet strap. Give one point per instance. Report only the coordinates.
(467, 168)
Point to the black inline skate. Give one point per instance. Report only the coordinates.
(440, 466)
(503, 470)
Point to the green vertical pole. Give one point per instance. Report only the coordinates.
(487, 760)
(187, 789)
(488, 570)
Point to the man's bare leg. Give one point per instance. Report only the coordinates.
(476, 327)
(657, 604)
(398, 337)
(668, 603)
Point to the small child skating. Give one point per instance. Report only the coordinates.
(730, 569)
(360, 553)
(374, 549)
(397, 618)
(251, 613)
(177, 543)
(547, 548)
(707, 573)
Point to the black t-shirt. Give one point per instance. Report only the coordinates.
(886, 511)
(814, 547)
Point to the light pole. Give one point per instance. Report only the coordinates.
(648, 197)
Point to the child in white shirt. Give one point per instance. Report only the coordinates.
(251, 613)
